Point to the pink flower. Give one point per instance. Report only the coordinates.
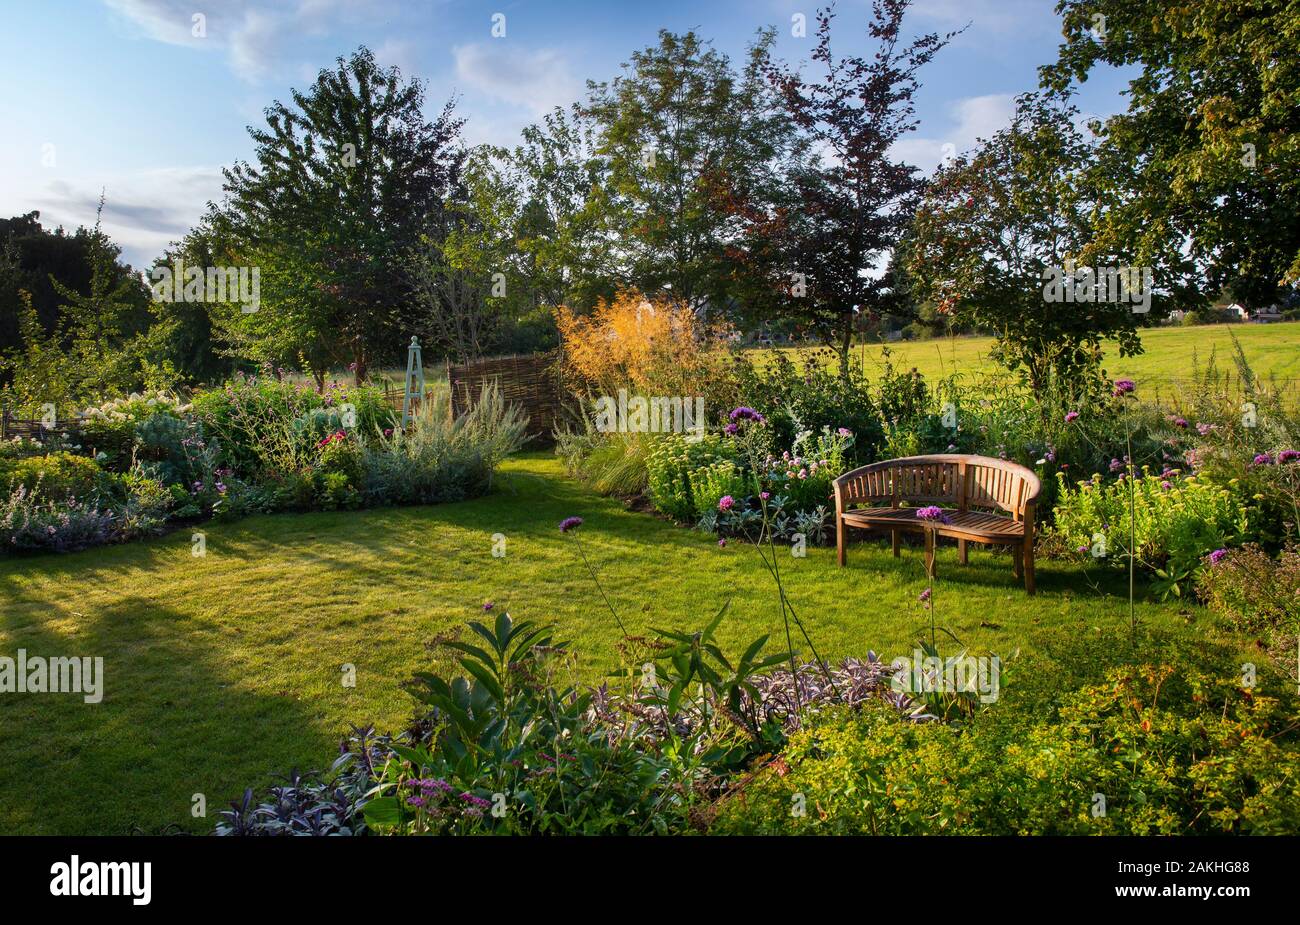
(726, 503)
(1071, 416)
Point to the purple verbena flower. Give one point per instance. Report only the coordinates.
(744, 413)
(932, 514)
(1217, 556)
(570, 523)
(726, 502)
(1071, 416)
(1124, 387)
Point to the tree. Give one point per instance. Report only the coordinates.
(345, 184)
(41, 257)
(464, 272)
(557, 178)
(994, 228)
(189, 335)
(676, 126)
(848, 211)
(1208, 184)
(95, 343)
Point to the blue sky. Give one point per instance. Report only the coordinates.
(120, 95)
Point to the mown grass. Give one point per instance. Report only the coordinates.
(224, 671)
(1166, 365)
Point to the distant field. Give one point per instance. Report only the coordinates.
(1164, 368)
(1273, 350)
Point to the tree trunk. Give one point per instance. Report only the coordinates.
(846, 341)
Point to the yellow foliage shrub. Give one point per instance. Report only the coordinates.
(634, 343)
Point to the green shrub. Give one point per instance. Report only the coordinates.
(111, 427)
(802, 476)
(57, 476)
(256, 420)
(1149, 751)
(1176, 519)
(341, 456)
(438, 459)
(1253, 591)
(668, 472)
(609, 463)
(710, 484)
(811, 397)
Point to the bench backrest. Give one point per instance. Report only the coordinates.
(947, 479)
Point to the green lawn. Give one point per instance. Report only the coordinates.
(1166, 364)
(224, 671)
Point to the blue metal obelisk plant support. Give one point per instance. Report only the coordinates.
(414, 381)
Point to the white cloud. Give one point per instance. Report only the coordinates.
(169, 21)
(258, 38)
(253, 46)
(973, 118)
(144, 210)
(537, 81)
(399, 53)
(990, 17)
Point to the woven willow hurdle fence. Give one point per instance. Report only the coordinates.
(531, 381)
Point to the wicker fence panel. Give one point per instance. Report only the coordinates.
(12, 426)
(530, 381)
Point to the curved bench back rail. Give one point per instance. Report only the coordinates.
(948, 479)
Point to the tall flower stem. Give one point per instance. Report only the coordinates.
(1132, 525)
(774, 570)
(599, 588)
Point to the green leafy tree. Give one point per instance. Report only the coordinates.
(1204, 167)
(676, 127)
(996, 224)
(94, 345)
(345, 184)
(557, 178)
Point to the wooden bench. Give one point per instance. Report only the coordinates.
(986, 500)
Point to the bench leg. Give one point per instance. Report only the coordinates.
(1029, 566)
(962, 555)
(1017, 560)
(840, 549)
(893, 539)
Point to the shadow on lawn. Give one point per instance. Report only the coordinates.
(175, 720)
